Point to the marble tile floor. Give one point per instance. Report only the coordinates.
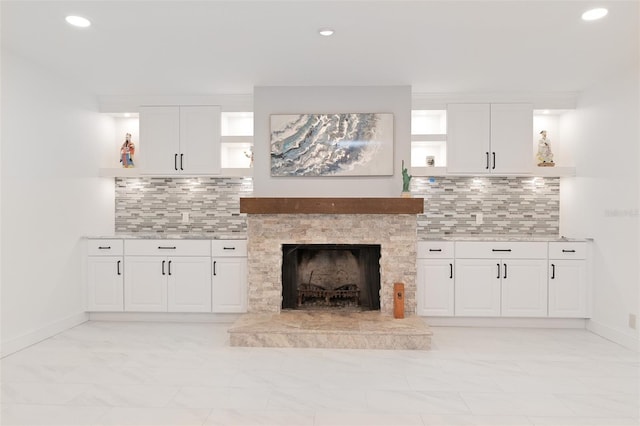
(134, 373)
(345, 329)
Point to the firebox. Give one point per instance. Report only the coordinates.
(319, 276)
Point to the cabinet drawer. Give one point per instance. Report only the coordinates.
(104, 247)
(229, 248)
(167, 247)
(435, 249)
(501, 250)
(560, 250)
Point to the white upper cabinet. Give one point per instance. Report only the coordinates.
(180, 140)
(489, 138)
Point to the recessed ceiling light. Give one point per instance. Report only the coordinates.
(78, 21)
(325, 32)
(594, 14)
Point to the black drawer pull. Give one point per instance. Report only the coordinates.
(214, 267)
(118, 267)
(553, 271)
(501, 250)
(451, 271)
(104, 248)
(169, 267)
(487, 161)
(175, 162)
(568, 251)
(494, 161)
(498, 277)
(228, 248)
(435, 249)
(181, 158)
(163, 262)
(505, 271)
(166, 248)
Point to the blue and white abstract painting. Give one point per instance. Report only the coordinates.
(332, 145)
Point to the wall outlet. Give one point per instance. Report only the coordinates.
(185, 217)
(632, 321)
(479, 219)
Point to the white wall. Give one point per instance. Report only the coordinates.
(602, 202)
(294, 100)
(52, 142)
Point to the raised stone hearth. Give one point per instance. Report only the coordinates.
(321, 329)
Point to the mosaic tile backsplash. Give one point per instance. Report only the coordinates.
(518, 206)
(155, 205)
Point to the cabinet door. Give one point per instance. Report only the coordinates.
(524, 288)
(477, 289)
(229, 284)
(511, 130)
(468, 136)
(159, 140)
(189, 284)
(145, 284)
(105, 284)
(435, 287)
(199, 140)
(568, 288)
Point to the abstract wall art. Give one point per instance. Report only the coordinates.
(354, 144)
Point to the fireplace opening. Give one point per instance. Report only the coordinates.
(319, 276)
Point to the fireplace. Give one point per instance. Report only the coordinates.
(328, 276)
(272, 223)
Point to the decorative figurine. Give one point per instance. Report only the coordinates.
(126, 152)
(249, 155)
(545, 156)
(406, 178)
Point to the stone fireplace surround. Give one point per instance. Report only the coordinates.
(271, 222)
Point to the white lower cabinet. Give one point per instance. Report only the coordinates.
(229, 283)
(105, 283)
(145, 284)
(167, 276)
(189, 284)
(434, 279)
(105, 276)
(507, 279)
(477, 288)
(524, 288)
(568, 280)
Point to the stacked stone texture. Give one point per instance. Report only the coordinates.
(396, 235)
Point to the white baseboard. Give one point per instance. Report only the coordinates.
(40, 334)
(164, 317)
(506, 322)
(609, 333)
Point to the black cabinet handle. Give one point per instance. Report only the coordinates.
(163, 262)
(451, 271)
(507, 250)
(214, 267)
(104, 248)
(181, 158)
(494, 161)
(175, 161)
(166, 247)
(498, 277)
(435, 249)
(568, 251)
(505, 271)
(169, 267)
(553, 271)
(487, 160)
(228, 248)
(118, 267)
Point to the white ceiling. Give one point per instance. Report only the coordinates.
(227, 47)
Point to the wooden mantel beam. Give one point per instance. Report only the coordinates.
(266, 205)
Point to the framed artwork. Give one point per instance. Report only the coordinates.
(353, 144)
